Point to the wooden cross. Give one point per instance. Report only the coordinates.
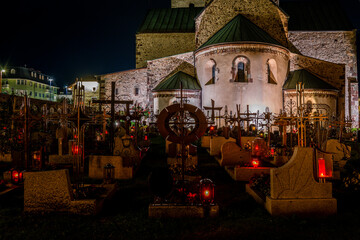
(213, 109)
(248, 117)
(112, 102)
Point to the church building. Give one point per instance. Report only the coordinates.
(247, 52)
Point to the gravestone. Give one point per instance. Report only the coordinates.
(51, 191)
(232, 155)
(97, 163)
(205, 141)
(294, 190)
(216, 143)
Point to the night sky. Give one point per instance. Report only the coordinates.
(66, 39)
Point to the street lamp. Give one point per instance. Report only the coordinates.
(1, 72)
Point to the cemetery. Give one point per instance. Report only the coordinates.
(182, 173)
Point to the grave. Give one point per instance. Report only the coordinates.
(215, 144)
(238, 162)
(51, 191)
(97, 163)
(294, 190)
(181, 198)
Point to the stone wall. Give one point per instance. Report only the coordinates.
(126, 82)
(263, 13)
(150, 46)
(186, 3)
(337, 47)
(160, 68)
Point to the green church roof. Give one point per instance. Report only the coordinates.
(240, 29)
(309, 80)
(170, 20)
(173, 82)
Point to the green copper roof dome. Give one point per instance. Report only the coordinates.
(173, 82)
(309, 80)
(240, 29)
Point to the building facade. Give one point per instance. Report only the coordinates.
(23, 80)
(248, 52)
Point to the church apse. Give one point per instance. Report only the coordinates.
(251, 60)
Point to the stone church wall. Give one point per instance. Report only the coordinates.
(160, 68)
(257, 92)
(336, 47)
(263, 13)
(151, 46)
(126, 82)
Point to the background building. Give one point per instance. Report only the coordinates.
(23, 80)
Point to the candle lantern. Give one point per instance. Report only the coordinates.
(255, 162)
(109, 173)
(212, 130)
(324, 168)
(16, 176)
(206, 191)
(76, 149)
(37, 163)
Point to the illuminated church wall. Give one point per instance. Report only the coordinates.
(166, 98)
(256, 92)
(325, 99)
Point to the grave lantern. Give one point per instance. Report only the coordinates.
(206, 191)
(109, 173)
(272, 152)
(16, 176)
(255, 162)
(76, 149)
(323, 170)
(212, 130)
(37, 159)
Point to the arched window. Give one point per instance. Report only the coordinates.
(12, 71)
(272, 71)
(241, 69)
(240, 72)
(212, 71)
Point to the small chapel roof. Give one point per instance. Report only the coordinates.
(240, 29)
(172, 82)
(316, 15)
(309, 80)
(169, 20)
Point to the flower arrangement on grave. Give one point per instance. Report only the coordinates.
(261, 183)
(352, 181)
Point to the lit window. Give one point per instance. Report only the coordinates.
(12, 71)
(35, 74)
(241, 69)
